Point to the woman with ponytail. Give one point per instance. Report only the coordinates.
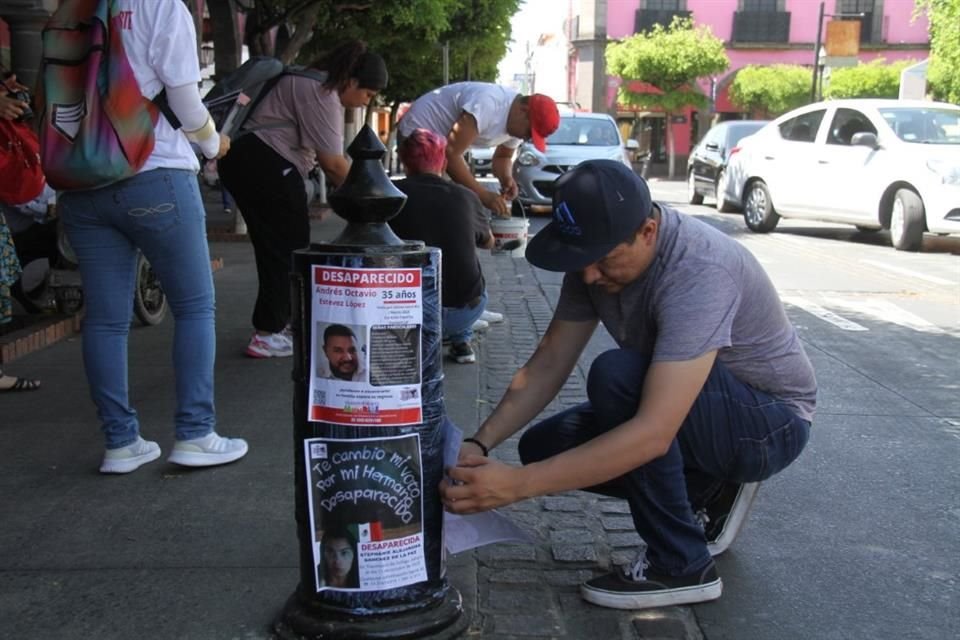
(298, 125)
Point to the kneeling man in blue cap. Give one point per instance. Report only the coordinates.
(708, 393)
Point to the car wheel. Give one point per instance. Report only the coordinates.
(907, 221)
(723, 205)
(692, 196)
(758, 210)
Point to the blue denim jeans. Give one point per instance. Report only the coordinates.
(458, 322)
(733, 433)
(161, 213)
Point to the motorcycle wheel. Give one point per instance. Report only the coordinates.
(68, 300)
(149, 300)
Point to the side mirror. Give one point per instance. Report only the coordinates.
(865, 139)
(632, 144)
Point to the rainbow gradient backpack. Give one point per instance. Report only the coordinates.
(95, 126)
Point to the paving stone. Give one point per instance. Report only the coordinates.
(571, 536)
(614, 506)
(542, 626)
(512, 599)
(611, 523)
(574, 553)
(624, 539)
(562, 503)
(508, 552)
(560, 577)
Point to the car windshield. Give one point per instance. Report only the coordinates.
(924, 125)
(588, 132)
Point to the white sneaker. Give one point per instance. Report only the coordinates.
(208, 451)
(481, 325)
(131, 457)
(491, 317)
(273, 345)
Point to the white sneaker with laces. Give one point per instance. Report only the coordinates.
(131, 457)
(481, 325)
(273, 345)
(491, 317)
(208, 451)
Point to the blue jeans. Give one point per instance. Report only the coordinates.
(161, 213)
(733, 433)
(458, 322)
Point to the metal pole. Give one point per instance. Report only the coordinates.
(446, 63)
(816, 56)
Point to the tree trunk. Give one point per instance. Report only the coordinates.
(226, 36)
(671, 152)
(302, 32)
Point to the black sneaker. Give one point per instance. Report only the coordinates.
(634, 587)
(462, 352)
(723, 515)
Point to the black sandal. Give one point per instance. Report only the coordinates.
(22, 384)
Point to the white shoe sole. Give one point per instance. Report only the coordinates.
(201, 459)
(738, 515)
(633, 601)
(126, 465)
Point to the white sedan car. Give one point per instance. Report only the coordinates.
(876, 164)
(581, 136)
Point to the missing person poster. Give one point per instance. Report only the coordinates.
(366, 512)
(366, 350)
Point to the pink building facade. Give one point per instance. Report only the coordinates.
(755, 32)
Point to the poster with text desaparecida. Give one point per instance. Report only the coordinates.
(366, 512)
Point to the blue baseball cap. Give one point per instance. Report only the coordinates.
(596, 206)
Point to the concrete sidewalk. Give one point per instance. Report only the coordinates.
(168, 552)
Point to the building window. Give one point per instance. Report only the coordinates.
(665, 5)
(761, 21)
(760, 5)
(870, 10)
(660, 12)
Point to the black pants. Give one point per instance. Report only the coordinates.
(272, 199)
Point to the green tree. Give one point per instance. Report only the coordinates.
(875, 79)
(771, 90)
(943, 73)
(671, 59)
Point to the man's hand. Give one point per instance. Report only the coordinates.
(508, 188)
(11, 108)
(468, 449)
(224, 145)
(495, 202)
(480, 484)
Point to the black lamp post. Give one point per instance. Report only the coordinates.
(816, 49)
(368, 417)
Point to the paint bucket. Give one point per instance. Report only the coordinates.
(509, 230)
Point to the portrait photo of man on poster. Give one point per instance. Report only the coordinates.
(341, 353)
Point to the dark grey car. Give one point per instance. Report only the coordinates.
(707, 165)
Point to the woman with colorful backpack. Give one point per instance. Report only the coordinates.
(298, 124)
(128, 181)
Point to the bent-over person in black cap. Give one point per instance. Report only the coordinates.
(708, 393)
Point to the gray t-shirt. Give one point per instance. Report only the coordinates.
(703, 291)
(314, 114)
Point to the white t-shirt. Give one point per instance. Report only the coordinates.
(439, 109)
(161, 45)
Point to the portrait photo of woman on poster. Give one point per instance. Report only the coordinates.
(338, 565)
